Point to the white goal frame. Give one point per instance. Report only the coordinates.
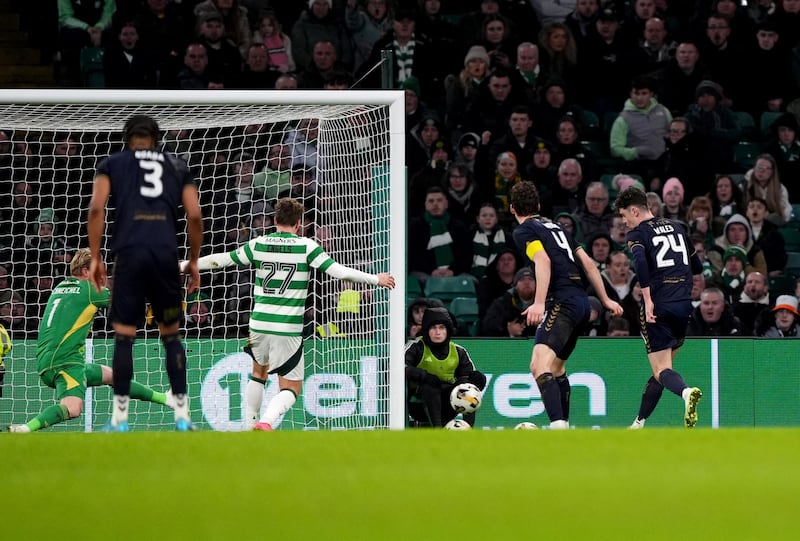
(393, 99)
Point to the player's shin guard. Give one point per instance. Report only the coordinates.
(566, 391)
(650, 397)
(672, 381)
(253, 396)
(278, 406)
(551, 396)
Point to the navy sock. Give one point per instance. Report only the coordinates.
(566, 390)
(650, 397)
(176, 363)
(551, 396)
(122, 364)
(672, 381)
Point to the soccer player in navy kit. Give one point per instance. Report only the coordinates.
(561, 305)
(664, 261)
(147, 187)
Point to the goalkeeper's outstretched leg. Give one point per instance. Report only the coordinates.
(71, 383)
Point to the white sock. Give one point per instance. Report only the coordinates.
(559, 425)
(119, 413)
(278, 406)
(182, 407)
(685, 393)
(253, 396)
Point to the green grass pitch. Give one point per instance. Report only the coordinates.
(414, 485)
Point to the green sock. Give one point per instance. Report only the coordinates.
(140, 392)
(50, 416)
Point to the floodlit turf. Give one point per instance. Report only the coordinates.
(415, 485)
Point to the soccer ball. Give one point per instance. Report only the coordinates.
(526, 425)
(465, 398)
(457, 424)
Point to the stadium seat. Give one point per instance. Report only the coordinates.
(413, 289)
(791, 238)
(746, 124)
(745, 154)
(766, 121)
(783, 284)
(792, 264)
(465, 309)
(448, 288)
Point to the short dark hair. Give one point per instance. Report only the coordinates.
(618, 324)
(631, 197)
(288, 211)
(642, 83)
(141, 126)
(525, 198)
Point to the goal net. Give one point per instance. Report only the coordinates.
(340, 153)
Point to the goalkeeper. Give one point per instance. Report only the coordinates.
(60, 353)
(283, 262)
(434, 365)
(5, 349)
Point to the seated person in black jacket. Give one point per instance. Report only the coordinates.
(434, 365)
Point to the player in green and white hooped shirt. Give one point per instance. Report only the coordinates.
(60, 354)
(283, 262)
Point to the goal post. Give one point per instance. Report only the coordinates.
(341, 152)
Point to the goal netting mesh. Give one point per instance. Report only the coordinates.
(335, 158)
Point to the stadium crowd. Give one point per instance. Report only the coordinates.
(697, 102)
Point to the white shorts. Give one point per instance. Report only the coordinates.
(283, 355)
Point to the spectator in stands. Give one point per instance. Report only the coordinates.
(303, 143)
(366, 24)
(199, 320)
(767, 64)
(581, 21)
(127, 65)
(766, 236)
(195, 74)
(542, 170)
(595, 215)
(462, 87)
(698, 286)
(257, 73)
(655, 204)
(504, 316)
(323, 63)
(438, 245)
(279, 45)
(21, 218)
(443, 34)
(604, 75)
(488, 111)
(787, 18)
(5, 282)
(639, 133)
(634, 23)
(552, 11)
(737, 232)
(715, 125)
(700, 219)
(18, 318)
(467, 151)
(558, 54)
(528, 68)
(164, 32)
(618, 326)
(673, 193)
(569, 224)
(654, 50)
(463, 193)
(234, 18)
(723, 56)
(224, 57)
(786, 322)
(471, 23)
(568, 145)
(420, 139)
(433, 174)
(618, 232)
(498, 278)
(712, 317)
(275, 178)
(764, 182)
(287, 81)
(518, 138)
(496, 38)
(726, 200)
(319, 23)
(683, 159)
(677, 81)
(784, 147)
(554, 106)
(488, 239)
(81, 24)
(598, 246)
(753, 301)
(415, 312)
(413, 56)
(730, 280)
(506, 176)
(619, 282)
(568, 193)
(598, 322)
